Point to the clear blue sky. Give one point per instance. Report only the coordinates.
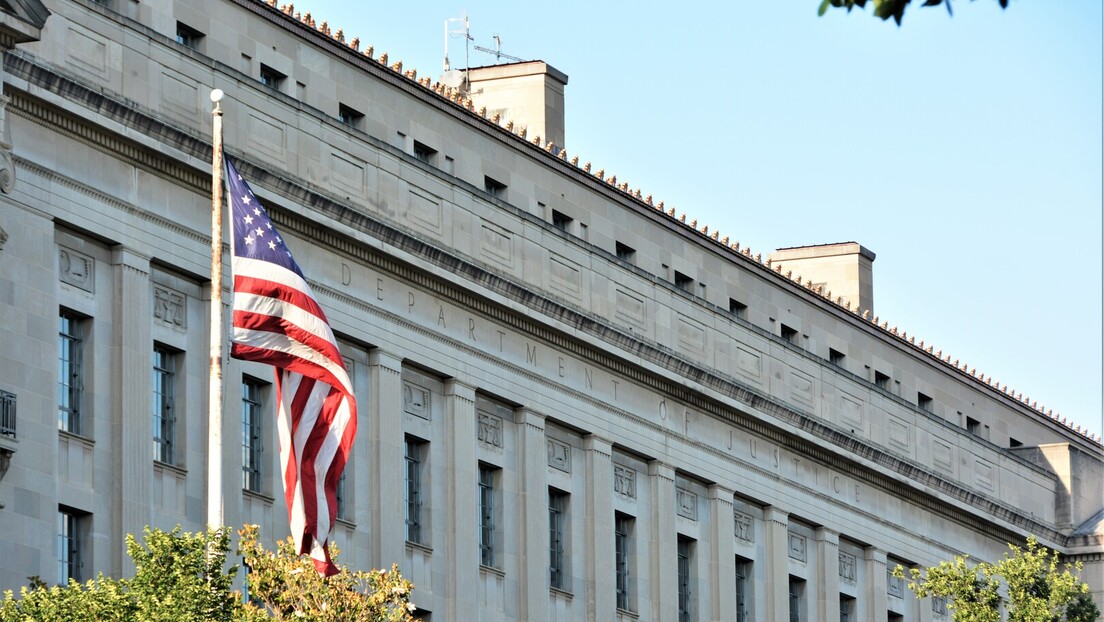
(965, 151)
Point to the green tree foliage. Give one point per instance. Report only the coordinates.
(290, 588)
(182, 577)
(1036, 587)
(886, 9)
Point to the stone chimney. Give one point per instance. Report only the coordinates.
(846, 269)
(531, 94)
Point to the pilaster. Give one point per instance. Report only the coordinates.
(533, 547)
(461, 551)
(876, 597)
(601, 585)
(777, 575)
(132, 422)
(827, 579)
(722, 554)
(664, 539)
(385, 457)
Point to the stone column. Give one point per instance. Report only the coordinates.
(132, 420)
(601, 584)
(533, 545)
(827, 593)
(385, 459)
(877, 602)
(722, 554)
(777, 574)
(461, 512)
(664, 542)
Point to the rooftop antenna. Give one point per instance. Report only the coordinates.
(499, 55)
(456, 27)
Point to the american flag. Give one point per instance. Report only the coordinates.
(277, 321)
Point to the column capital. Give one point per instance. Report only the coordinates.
(661, 469)
(122, 255)
(873, 554)
(528, 416)
(387, 360)
(720, 492)
(829, 536)
(459, 389)
(774, 514)
(596, 443)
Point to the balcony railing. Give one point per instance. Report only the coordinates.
(7, 414)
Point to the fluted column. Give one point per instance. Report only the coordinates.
(876, 598)
(461, 550)
(534, 537)
(132, 420)
(777, 575)
(664, 542)
(601, 584)
(827, 592)
(385, 457)
(722, 554)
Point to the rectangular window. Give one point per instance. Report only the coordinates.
(743, 579)
(557, 532)
(737, 308)
(187, 36)
(348, 116)
(685, 551)
(561, 221)
(973, 426)
(252, 435)
(789, 333)
(881, 380)
(797, 600)
(622, 534)
(340, 498)
(164, 407)
(70, 545)
(271, 78)
(70, 371)
(415, 454)
(847, 608)
(684, 282)
(424, 152)
(835, 357)
(1013, 443)
(923, 401)
(626, 253)
(495, 188)
(487, 515)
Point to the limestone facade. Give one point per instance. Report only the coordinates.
(604, 414)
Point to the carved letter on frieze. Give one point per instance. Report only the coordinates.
(744, 529)
(847, 567)
(559, 455)
(76, 269)
(169, 307)
(686, 504)
(624, 481)
(416, 400)
(797, 547)
(490, 430)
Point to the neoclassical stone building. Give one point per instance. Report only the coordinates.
(575, 405)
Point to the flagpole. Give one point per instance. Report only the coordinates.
(214, 422)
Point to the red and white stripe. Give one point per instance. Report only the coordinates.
(277, 321)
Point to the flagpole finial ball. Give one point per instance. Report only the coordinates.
(216, 95)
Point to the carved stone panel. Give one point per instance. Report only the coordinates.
(939, 606)
(686, 504)
(559, 455)
(416, 400)
(895, 586)
(797, 547)
(76, 269)
(744, 526)
(624, 481)
(490, 430)
(170, 307)
(847, 567)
